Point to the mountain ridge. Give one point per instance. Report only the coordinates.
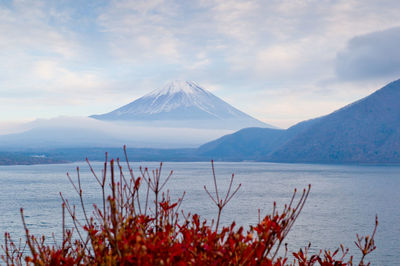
(365, 131)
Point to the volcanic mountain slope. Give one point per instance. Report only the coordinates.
(183, 104)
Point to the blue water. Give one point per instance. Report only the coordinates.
(343, 200)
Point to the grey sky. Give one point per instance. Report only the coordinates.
(280, 61)
(370, 56)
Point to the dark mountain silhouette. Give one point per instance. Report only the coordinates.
(366, 131)
(250, 143)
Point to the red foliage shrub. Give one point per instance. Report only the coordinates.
(125, 230)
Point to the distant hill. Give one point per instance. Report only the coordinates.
(366, 131)
(251, 143)
(183, 104)
(245, 144)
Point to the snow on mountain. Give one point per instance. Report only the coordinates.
(183, 104)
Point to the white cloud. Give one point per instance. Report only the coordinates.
(141, 30)
(60, 79)
(25, 28)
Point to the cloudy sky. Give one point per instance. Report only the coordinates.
(279, 61)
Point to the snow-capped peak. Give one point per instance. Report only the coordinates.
(177, 86)
(181, 101)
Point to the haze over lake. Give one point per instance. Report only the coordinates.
(343, 200)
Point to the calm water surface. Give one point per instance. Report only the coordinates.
(343, 200)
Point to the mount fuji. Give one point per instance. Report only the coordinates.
(179, 115)
(183, 104)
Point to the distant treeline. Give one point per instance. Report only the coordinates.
(26, 158)
(65, 155)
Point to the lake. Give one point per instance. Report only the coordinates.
(344, 199)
